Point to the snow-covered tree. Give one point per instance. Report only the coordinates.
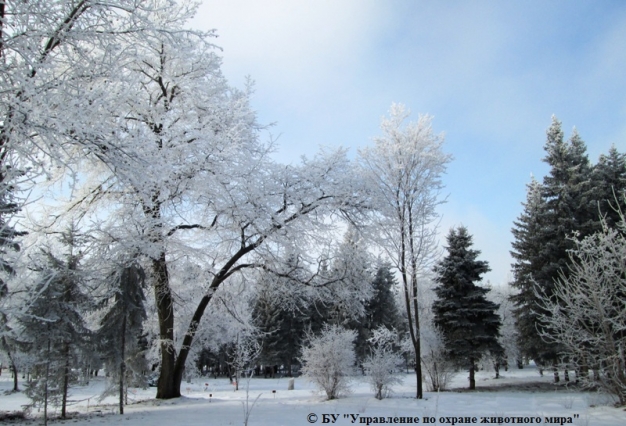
(53, 322)
(381, 365)
(119, 94)
(200, 174)
(9, 246)
(121, 329)
(609, 186)
(585, 313)
(245, 351)
(347, 298)
(468, 322)
(328, 360)
(62, 64)
(438, 367)
(404, 170)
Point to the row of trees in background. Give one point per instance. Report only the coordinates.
(466, 325)
(566, 272)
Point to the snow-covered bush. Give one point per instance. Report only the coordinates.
(438, 368)
(328, 360)
(586, 314)
(381, 364)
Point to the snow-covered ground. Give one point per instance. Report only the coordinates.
(518, 393)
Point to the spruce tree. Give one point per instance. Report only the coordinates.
(468, 321)
(562, 209)
(609, 186)
(54, 324)
(380, 311)
(282, 330)
(9, 207)
(121, 330)
(527, 252)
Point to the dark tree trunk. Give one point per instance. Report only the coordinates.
(472, 379)
(45, 387)
(66, 380)
(15, 384)
(122, 365)
(11, 364)
(410, 294)
(169, 382)
(556, 374)
(177, 364)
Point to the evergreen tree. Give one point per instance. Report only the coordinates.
(8, 245)
(527, 252)
(380, 311)
(557, 210)
(609, 186)
(54, 324)
(121, 330)
(282, 329)
(469, 322)
(351, 269)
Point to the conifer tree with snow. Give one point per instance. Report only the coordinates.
(608, 179)
(121, 330)
(351, 269)
(556, 210)
(9, 246)
(468, 321)
(53, 324)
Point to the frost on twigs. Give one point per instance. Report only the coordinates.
(381, 364)
(329, 360)
(586, 314)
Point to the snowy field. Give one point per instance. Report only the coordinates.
(518, 393)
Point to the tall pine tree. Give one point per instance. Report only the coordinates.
(468, 321)
(527, 252)
(557, 210)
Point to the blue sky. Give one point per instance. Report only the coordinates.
(491, 73)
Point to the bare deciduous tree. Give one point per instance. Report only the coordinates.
(404, 169)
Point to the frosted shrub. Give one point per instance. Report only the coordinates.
(329, 360)
(586, 314)
(438, 368)
(382, 362)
